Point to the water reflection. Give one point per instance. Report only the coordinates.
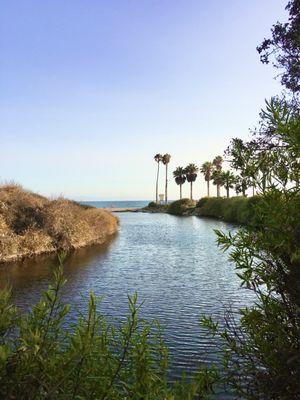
(173, 263)
(29, 277)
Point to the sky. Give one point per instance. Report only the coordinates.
(91, 90)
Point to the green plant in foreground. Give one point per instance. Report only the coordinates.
(92, 359)
(261, 353)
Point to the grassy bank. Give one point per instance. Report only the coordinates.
(152, 207)
(31, 224)
(178, 207)
(235, 209)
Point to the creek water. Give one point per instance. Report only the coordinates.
(172, 262)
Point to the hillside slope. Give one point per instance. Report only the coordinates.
(31, 224)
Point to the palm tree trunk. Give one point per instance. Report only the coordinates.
(253, 190)
(218, 190)
(166, 187)
(191, 190)
(157, 176)
(207, 188)
(180, 191)
(227, 190)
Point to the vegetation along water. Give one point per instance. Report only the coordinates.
(250, 352)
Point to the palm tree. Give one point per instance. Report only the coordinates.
(207, 169)
(158, 158)
(217, 180)
(191, 175)
(166, 159)
(228, 181)
(180, 178)
(217, 162)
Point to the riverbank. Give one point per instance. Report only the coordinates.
(235, 209)
(31, 224)
(239, 209)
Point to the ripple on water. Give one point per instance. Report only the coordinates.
(173, 263)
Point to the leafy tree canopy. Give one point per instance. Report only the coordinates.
(283, 48)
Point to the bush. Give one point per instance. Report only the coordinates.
(152, 204)
(238, 210)
(212, 207)
(181, 207)
(261, 345)
(202, 201)
(40, 359)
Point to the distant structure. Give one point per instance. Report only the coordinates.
(161, 198)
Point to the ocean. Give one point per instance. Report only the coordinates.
(117, 203)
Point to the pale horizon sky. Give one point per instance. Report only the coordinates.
(91, 90)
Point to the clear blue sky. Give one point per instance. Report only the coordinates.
(90, 90)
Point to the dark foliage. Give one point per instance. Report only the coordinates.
(284, 48)
(262, 349)
(239, 210)
(152, 204)
(181, 207)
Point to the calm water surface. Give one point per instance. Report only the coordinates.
(118, 203)
(172, 262)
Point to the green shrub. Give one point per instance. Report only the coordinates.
(180, 207)
(238, 210)
(261, 344)
(202, 201)
(40, 359)
(152, 204)
(212, 207)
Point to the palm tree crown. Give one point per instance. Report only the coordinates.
(217, 180)
(191, 172)
(166, 159)
(191, 175)
(228, 180)
(217, 162)
(180, 178)
(207, 169)
(158, 158)
(179, 172)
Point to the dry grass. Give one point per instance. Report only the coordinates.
(31, 224)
